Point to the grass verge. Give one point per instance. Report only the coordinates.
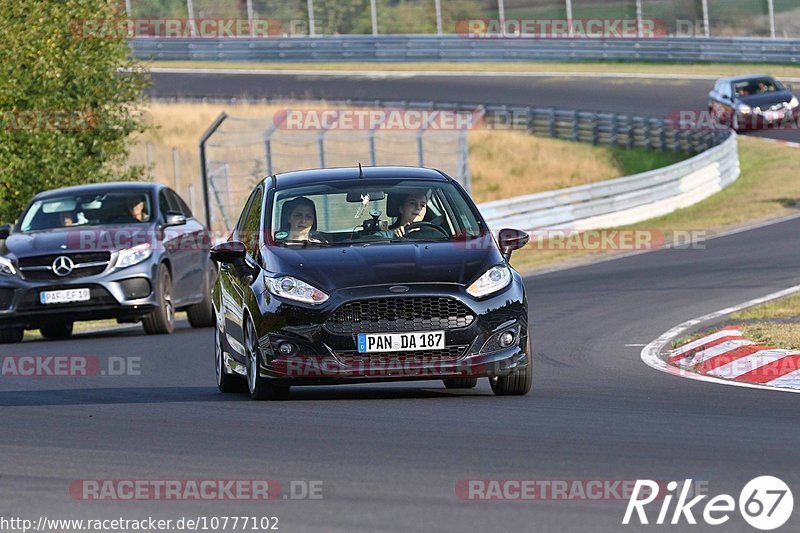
(706, 69)
(775, 323)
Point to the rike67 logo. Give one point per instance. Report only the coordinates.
(765, 503)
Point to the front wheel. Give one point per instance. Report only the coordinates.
(225, 382)
(518, 382)
(56, 330)
(201, 315)
(260, 388)
(162, 320)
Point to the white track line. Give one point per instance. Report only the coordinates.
(428, 73)
(651, 354)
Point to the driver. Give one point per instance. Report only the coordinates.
(413, 209)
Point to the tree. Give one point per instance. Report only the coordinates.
(69, 97)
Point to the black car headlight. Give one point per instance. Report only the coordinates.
(7, 267)
(496, 278)
(295, 289)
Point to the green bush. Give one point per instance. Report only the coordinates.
(67, 113)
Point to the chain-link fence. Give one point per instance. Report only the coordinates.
(685, 18)
(242, 150)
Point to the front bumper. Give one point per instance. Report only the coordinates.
(322, 356)
(124, 294)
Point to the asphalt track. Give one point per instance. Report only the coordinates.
(655, 97)
(389, 456)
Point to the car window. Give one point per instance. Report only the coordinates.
(163, 204)
(726, 90)
(113, 207)
(342, 213)
(177, 204)
(250, 224)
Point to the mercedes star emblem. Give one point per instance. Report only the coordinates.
(63, 266)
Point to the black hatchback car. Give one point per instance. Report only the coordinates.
(752, 102)
(129, 251)
(381, 274)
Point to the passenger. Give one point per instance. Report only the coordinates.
(413, 209)
(299, 219)
(67, 219)
(136, 208)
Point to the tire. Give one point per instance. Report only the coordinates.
(162, 320)
(225, 382)
(201, 315)
(56, 330)
(519, 382)
(460, 383)
(260, 388)
(11, 335)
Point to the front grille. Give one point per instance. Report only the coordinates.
(38, 268)
(385, 315)
(47, 260)
(450, 353)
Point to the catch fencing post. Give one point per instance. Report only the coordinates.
(190, 9)
(374, 16)
(706, 28)
(311, 30)
(176, 170)
(203, 163)
(771, 7)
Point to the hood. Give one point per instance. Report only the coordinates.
(385, 263)
(60, 241)
(766, 99)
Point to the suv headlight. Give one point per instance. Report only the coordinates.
(133, 256)
(496, 278)
(294, 289)
(7, 267)
(744, 109)
(794, 102)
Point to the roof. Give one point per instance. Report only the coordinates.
(320, 175)
(100, 187)
(746, 77)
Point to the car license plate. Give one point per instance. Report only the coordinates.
(398, 342)
(64, 297)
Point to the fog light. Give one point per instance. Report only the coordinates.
(286, 348)
(507, 339)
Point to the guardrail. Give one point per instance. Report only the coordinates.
(624, 200)
(428, 48)
(612, 129)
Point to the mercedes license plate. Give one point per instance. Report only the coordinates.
(64, 297)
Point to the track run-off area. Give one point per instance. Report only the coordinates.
(389, 457)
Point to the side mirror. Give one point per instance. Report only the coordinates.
(229, 252)
(512, 239)
(5, 231)
(174, 218)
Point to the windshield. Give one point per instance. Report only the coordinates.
(757, 86)
(368, 211)
(96, 209)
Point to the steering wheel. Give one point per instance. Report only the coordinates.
(424, 224)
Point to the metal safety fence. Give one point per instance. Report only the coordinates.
(687, 18)
(426, 48)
